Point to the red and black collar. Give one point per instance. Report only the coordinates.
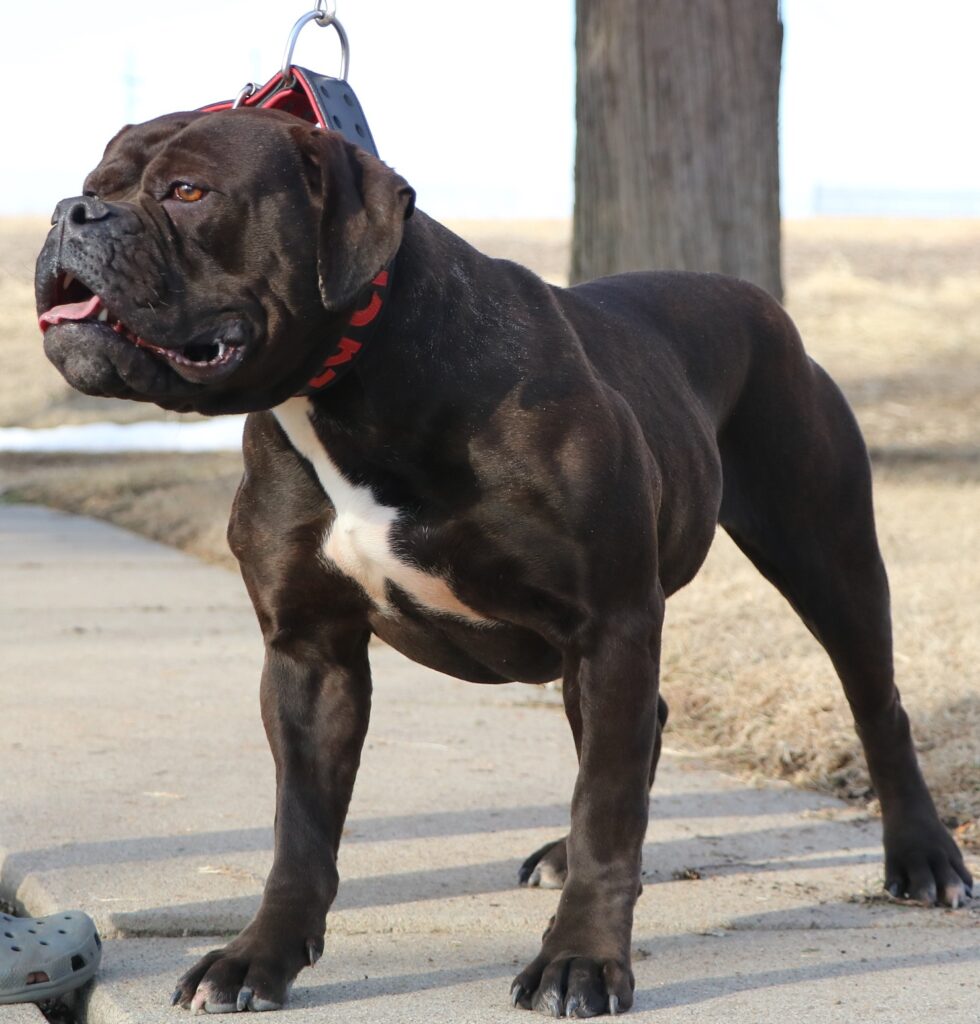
(321, 100)
(358, 332)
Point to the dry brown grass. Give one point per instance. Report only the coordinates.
(892, 309)
(748, 683)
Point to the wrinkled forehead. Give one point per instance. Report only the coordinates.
(193, 143)
(128, 153)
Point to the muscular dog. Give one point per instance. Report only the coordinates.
(507, 485)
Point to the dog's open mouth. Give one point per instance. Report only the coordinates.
(196, 361)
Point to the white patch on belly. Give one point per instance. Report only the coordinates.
(358, 543)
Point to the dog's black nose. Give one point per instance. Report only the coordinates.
(80, 210)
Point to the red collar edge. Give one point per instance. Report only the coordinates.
(359, 328)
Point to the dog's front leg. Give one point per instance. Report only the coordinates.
(316, 699)
(583, 968)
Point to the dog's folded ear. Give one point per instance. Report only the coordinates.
(364, 205)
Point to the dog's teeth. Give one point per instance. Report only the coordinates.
(103, 315)
(66, 283)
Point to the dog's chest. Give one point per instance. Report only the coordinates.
(359, 542)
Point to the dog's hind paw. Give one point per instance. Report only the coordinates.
(546, 868)
(924, 865)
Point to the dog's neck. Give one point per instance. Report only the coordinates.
(431, 299)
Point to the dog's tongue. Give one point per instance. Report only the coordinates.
(70, 311)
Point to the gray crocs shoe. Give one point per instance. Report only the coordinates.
(66, 947)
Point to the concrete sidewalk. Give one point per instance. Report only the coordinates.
(136, 784)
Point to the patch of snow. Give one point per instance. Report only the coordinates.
(223, 433)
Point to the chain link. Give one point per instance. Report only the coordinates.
(327, 11)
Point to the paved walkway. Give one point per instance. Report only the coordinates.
(135, 783)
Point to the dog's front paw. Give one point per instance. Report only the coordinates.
(546, 868)
(574, 986)
(924, 864)
(248, 974)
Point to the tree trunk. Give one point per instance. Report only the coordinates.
(676, 157)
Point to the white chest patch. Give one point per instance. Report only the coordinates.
(358, 543)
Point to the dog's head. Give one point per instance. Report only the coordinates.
(213, 258)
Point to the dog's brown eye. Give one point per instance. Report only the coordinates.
(187, 193)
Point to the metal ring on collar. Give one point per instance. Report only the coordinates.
(328, 11)
(323, 18)
(243, 94)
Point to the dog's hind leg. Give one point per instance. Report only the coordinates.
(797, 501)
(547, 867)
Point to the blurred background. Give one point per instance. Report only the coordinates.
(878, 99)
(828, 151)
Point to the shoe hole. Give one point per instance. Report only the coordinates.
(16, 949)
(43, 943)
(37, 978)
(77, 962)
(67, 917)
(61, 931)
(8, 935)
(98, 940)
(31, 930)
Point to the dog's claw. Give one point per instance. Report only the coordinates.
(263, 1005)
(547, 1001)
(550, 1003)
(313, 952)
(244, 999)
(515, 993)
(956, 896)
(613, 1005)
(175, 998)
(927, 894)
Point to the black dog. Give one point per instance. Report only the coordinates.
(506, 485)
